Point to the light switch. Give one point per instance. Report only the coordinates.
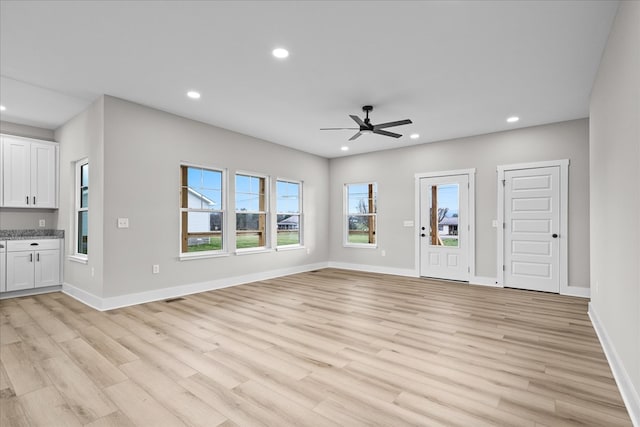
(408, 223)
(41, 223)
(123, 222)
(494, 223)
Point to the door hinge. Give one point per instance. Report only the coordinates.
(503, 268)
(504, 182)
(504, 225)
(469, 227)
(468, 269)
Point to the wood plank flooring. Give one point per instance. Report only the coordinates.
(323, 348)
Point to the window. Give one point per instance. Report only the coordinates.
(82, 209)
(251, 211)
(201, 209)
(288, 213)
(360, 218)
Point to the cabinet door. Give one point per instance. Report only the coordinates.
(20, 270)
(16, 173)
(3, 272)
(47, 268)
(43, 175)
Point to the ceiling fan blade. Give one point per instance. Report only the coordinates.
(358, 120)
(391, 124)
(339, 128)
(385, 133)
(357, 135)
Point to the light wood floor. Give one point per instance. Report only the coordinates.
(316, 349)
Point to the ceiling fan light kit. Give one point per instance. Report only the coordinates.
(365, 125)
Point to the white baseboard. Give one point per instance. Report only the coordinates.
(629, 394)
(83, 296)
(29, 292)
(374, 269)
(575, 291)
(484, 281)
(110, 303)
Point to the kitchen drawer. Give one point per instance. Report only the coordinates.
(32, 245)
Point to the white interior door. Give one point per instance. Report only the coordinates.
(444, 227)
(532, 229)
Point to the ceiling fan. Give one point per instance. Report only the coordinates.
(367, 127)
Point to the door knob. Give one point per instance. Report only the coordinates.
(422, 235)
(423, 228)
(554, 235)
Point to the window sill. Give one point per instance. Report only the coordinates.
(360, 246)
(253, 251)
(192, 256)
(290, 248)
(78, 259)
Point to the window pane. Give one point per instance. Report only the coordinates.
(84, 197)
(361, 229)
(204, 231)
(287, 197)
(446, 200)
(361, 198)
(211, 199)
(194, 177)
(84, 175)
(250, 230)
(212, 180)
(288, 230)
(83, 232)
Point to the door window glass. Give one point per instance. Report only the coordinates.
(443, 215)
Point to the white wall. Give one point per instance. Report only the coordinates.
(143, 151)
(394, 172)
(11, 218)
(82, 137)
(615, 193)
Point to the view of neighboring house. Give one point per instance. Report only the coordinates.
(448, 226)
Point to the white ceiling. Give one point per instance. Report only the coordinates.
(456, 68)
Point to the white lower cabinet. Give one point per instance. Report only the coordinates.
(32, 264)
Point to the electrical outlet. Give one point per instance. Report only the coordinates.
(308, 251)
(383, 253)
(41, 223)
(155, 269)
(93, 271)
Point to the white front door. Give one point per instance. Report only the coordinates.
(444, 227)
(532, 229)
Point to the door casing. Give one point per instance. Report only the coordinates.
(564, 218)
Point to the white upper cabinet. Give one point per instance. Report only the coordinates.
(29, 173)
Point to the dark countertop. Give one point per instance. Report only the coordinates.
(31, 234)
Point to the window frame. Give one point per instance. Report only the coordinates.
(346, 214)
(299, 213)
(77, 208)
(224, 250)
(267, 212)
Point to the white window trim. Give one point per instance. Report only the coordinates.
(345, 216)
(268, 247)
(225, 240)
(76, 256)
(300, 213)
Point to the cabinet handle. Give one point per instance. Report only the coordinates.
(30, 257)
(34, 200)
(27, 199)
(38, 257)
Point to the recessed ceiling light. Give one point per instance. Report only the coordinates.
(3, 108)
(193, 94)
(280, 53)
(513, 119)
(344, 148)
(414, 136)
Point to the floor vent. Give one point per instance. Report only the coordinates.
(174, 299)
(314, 271)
